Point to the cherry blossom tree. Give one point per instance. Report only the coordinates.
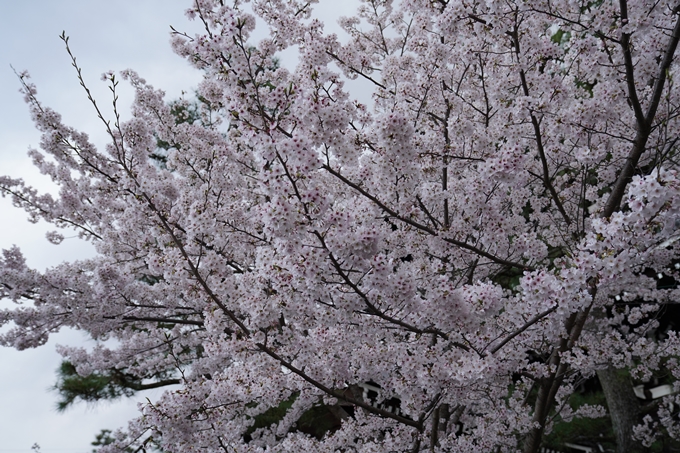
(476, 236)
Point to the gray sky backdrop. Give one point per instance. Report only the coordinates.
(105, 35)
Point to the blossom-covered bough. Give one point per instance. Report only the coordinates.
(474, 237)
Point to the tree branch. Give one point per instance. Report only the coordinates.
(526, 325)
(644, 122)
(422, 227)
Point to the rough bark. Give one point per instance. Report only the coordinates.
(624, 408)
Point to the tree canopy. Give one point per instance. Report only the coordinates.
(437, 265)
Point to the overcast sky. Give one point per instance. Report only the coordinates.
(104, 35)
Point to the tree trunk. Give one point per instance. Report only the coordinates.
(532, 440)
(624, 408)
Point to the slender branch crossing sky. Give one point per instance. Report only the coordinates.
(104, 36)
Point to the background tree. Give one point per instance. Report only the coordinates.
(476, 239)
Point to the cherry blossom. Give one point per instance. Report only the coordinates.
(475, 236)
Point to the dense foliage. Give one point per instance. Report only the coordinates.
(474, 238)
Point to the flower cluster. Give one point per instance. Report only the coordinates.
(485, 229)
